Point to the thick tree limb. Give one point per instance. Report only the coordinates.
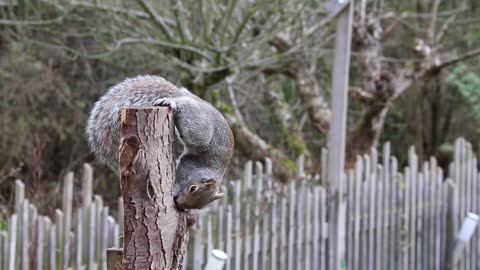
(289, 126)
(407, 77)
(258, 149)
(361, 95)
(313, 101)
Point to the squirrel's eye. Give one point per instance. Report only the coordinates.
(192, 188)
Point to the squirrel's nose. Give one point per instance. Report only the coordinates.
(175, 197)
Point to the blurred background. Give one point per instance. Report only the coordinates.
(414, 78)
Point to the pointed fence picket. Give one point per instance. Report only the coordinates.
(395, 219)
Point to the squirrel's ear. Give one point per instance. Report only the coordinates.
(217, 196)
(211, 183)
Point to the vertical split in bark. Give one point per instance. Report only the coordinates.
(155, 232)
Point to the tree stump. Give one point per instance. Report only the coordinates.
(155, 232)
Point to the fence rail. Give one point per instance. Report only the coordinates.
(396, 219)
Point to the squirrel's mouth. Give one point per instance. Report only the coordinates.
(178, 205)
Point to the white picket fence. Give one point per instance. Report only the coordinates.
(396, 219)
(72, 240)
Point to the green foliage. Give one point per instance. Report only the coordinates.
(467, 84)
(289, 91)
(289, 164)
(293, 143)
(226, 108)
(3, 224)
(446, 148)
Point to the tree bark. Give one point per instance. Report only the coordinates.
(367, 134)
(258, 149)
(155, 232)
(114, 259)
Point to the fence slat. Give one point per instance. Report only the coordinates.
(265, 236)
(273, 233)
(379, 205)
(248, 171)
(79, 238)
(24, 241)
(53, 246)
(283, 230)
(356, 213)
(419, 234)
(396, 204)
(4, 249)
(307, 234)
(39, 244)
(413, 166)
(92, 213)
(220, 225)
(67, 212)
(257, 221)
(104, 239)
(365, 211)
(229, 237)
(316, 228)
(291, 225)
(406, 220)
(237, 224)
(387, 210)
(371, 217)
(12, 241)
(300, 209)
(388, 206)
(477, 190)
(323, 228)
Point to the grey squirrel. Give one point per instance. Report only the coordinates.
(203, 131)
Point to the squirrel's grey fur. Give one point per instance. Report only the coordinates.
(205, 134)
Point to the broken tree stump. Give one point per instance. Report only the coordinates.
(155, 232)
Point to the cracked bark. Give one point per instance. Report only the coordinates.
(156, 233)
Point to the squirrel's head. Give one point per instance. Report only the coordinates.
(197, 194)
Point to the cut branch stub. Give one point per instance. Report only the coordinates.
(155, 232)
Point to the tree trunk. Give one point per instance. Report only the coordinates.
(155, 232)
(367, 134)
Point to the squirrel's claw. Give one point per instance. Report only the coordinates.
(166, 102)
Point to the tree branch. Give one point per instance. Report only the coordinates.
(156, 18)
(444, 28)
(178, 11)
(361, 95)
(307, 87)
(233, 100)
(433, 20)
(257, 148)
(35, 23)
(129, 12)
(458, 58)
(166, 44)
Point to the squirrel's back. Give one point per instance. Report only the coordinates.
(103, 127)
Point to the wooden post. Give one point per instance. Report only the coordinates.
(155, 232)
(336, 141)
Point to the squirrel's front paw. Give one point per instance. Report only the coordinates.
(166, 102)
